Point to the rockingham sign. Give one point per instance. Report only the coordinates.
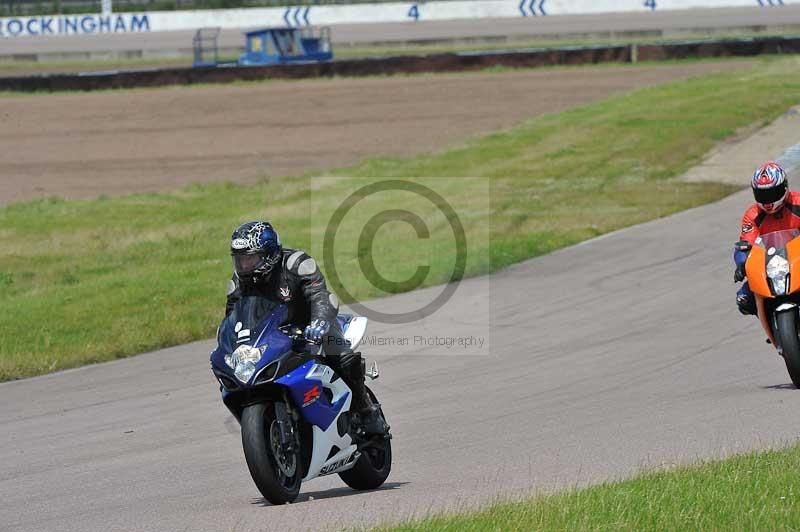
(74, 24)
(345, 14)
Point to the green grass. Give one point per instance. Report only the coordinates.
(87, 281)
(512, 43)
(497, 69)
(23, 68)
(758, 491)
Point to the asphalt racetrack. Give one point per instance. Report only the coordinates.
(646, 23)
(622, 353)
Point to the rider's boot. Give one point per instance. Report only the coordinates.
(746, 301)
(368, 412)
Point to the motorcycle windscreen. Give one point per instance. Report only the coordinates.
(777, 239)
(250, 317)
(251, 310)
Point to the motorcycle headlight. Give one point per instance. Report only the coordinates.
(777, 270)
(244, 370)
(243, 361)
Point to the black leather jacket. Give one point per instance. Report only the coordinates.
(298, 283)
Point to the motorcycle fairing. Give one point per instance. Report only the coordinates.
(307, 385)
(354, 330)
(784, 243)
(756, 272)
(320, 396)
(253, 321)
(793, 252)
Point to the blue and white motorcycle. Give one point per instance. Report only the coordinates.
(293, 409)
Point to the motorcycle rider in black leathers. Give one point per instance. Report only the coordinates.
(263, 267)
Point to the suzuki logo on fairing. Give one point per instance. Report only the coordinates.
(327, 470)
(311, 396)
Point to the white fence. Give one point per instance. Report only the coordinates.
(345, 14)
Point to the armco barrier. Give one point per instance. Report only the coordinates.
(404, 65)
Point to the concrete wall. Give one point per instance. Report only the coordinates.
(345, 14)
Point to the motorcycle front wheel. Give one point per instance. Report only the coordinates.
(276, 473)
(790, 344)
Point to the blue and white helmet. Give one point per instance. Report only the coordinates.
(256, 250)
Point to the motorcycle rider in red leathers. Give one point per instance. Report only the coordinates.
(775, 209)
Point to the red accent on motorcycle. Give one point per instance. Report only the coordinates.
(311, 395)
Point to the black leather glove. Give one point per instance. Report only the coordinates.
(746, 304)
(739, 274)
(742, 249)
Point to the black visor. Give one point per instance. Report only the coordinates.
(247, 264)
(769, 195)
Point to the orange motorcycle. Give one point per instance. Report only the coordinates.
(773, 271)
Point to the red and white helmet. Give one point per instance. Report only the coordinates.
(770, 186)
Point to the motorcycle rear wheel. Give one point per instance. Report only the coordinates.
(277, 474)
(373, 466)
(790, 343)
